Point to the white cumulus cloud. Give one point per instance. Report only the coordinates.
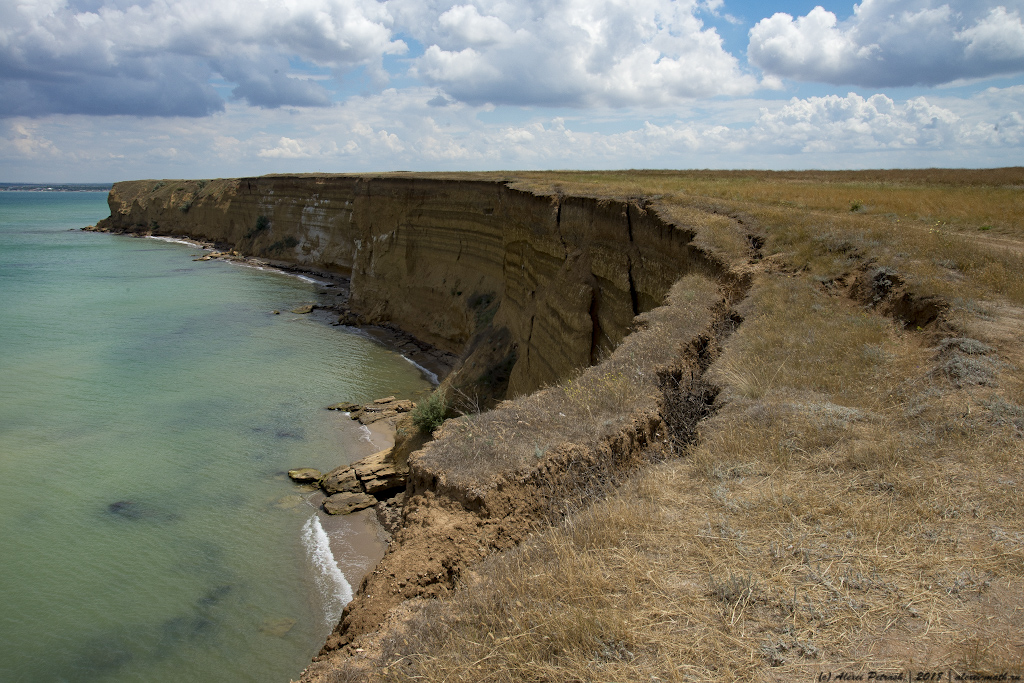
(574, 53)
(894, 43)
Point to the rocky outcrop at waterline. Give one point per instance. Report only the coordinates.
(375, 478)
(305, 475)
(380, 409)
(357, 486)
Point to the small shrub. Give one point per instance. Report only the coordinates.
(733, 589)
(972, 347)
(430, 413)
(963, 370)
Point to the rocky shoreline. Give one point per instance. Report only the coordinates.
(377, 480)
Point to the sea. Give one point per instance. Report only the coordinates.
(150, 406)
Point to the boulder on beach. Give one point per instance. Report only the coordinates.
(348, 318)
(345, 503)
(339, 480)
(301, 310)
(305, 475)
(378, 472)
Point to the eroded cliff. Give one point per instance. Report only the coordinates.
(525, 288)
(597, 317)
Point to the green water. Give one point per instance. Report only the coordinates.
(149, 405)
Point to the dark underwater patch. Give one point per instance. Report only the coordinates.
(138, 511)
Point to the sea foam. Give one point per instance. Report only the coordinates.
(176, 240)
(335, 590)
(431, 377)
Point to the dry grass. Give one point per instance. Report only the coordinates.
(679, 579)
(798, 338)
(964, 198)
(856, 503)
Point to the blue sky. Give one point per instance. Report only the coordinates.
(102, 90)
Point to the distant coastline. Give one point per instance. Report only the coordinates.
(55, 187)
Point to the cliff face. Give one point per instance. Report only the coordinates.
(525, 288)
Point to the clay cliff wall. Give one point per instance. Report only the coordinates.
(525, 288)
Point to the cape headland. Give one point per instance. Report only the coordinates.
(813, 343)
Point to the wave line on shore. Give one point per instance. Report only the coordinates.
(330, 580)
(177, 240)
(431, 377)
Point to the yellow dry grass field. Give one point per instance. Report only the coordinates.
(853, 505)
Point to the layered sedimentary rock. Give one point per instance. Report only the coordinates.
(525, 288)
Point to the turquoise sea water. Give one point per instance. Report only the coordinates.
(149, 405)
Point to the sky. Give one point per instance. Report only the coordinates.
(106, 90)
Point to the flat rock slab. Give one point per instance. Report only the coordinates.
(289, 502)
(345, 406)
(277, 627)
(379, 409)
(345, 503)
(305, 475)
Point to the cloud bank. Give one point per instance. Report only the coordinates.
(398, 129)
(161, 58)
(121, 88)
(167, 57)
(894, 43)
